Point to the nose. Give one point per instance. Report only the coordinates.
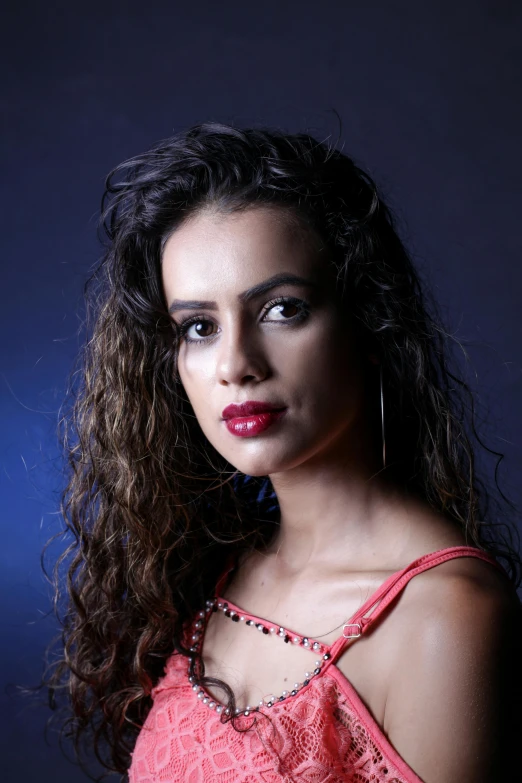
(240, 355)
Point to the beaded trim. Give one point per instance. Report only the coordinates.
(214, 605)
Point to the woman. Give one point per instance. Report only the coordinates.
(268, 438)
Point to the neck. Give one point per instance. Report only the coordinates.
(338, 509)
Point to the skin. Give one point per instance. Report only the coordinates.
(343, 529)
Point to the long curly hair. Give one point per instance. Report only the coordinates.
(151, 511)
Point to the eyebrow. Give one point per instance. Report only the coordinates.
(282, 278)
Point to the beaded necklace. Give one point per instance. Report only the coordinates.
(235, 614)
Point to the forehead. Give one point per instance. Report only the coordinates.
(213, 252)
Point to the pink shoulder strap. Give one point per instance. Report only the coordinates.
(388, 591)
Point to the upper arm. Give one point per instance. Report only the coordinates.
(454, 703)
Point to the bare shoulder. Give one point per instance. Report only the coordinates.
(454, 699)
(459, 573)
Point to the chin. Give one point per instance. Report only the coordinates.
(258, 464)
(265, 464)
(258, 468)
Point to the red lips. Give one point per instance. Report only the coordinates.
(251, 417)
(249, 408)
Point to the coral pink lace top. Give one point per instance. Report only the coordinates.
(324, 732)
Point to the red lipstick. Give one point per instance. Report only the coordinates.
(251, 417)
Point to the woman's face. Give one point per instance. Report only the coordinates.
(297, 353)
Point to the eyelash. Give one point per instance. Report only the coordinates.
(303, 306)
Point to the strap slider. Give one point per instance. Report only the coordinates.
(352, 625)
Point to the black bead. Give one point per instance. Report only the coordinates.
(316, 671)
(282, 698)
(214, 608)
(227, 612)
(306, 682)
(235, 618)
(250, 622)
(287, 638)
(265, 630)
(269, 704)
(326, 656)
(293, 693)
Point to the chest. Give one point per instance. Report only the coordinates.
(259, 666)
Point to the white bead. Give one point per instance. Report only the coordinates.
(272, 630)
(261, 703)
(285, 694)
(219, 708)
(220, 605)
(247, 712)
(317, 663)
(211, 704)
(242, 619)
(297, 685)
(315, 646)
(206, 700)
(307, 675)
(259, 627)
(201, 695)
(306, 643)
(296, 640)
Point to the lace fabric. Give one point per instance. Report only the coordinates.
(324, 734)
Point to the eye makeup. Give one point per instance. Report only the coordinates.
(302, 306)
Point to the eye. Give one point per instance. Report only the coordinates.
(279, 305)
(188, 323)
(284, 303)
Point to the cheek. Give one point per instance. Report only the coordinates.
(327, 351)
(331, 371)
(196, 365)
(195, 377)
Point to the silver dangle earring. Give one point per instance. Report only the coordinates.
(382, 420)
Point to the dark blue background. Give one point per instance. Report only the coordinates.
(429, 95)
